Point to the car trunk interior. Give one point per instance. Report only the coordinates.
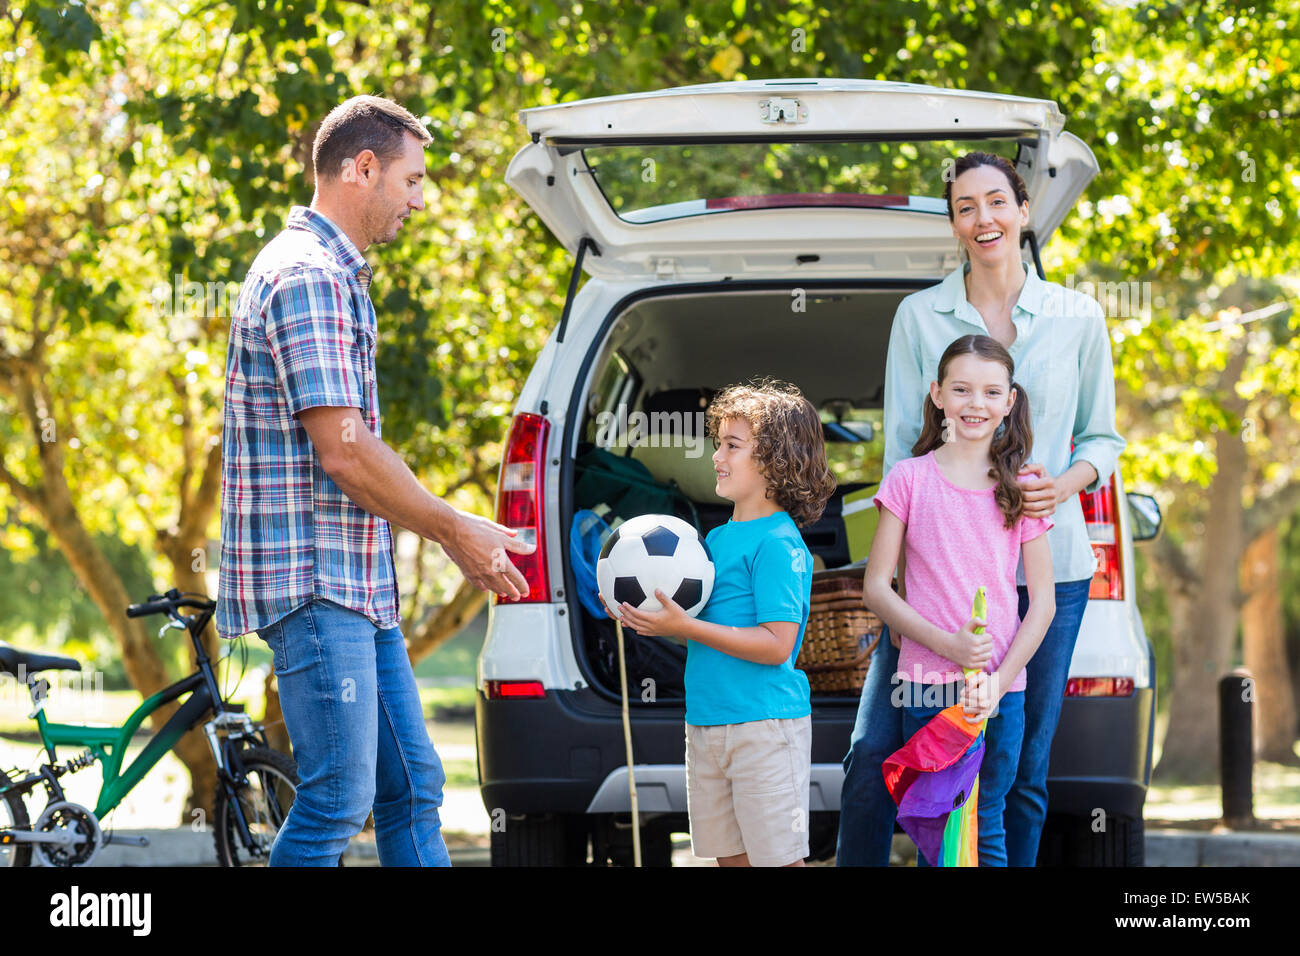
(641, 445)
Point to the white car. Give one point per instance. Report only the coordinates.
(731, 230)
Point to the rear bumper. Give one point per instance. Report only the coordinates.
(554, 754)
(1101, 755)
(564, 753)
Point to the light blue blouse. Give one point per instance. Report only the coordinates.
(1063, 362)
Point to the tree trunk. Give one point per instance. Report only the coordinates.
(193, 748)
(185, 548)
(1206, 625)
(140, 657)
(1264, 649)
(445, 622)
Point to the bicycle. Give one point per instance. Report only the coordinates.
(255, 783)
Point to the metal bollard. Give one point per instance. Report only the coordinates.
(1237, 747)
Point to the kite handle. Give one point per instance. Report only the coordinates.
(978, 609)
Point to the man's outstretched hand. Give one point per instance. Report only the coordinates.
(480, 549)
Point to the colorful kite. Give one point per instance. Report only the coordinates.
(934, 780)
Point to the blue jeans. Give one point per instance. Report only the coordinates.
(354, 717)
(997, 770)
(1045, 679)
(867, 811)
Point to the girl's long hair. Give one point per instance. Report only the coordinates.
(1013, 440)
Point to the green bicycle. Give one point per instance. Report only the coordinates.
(255, 784)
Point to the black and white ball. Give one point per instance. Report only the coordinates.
(655, 551)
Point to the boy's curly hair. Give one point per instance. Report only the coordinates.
(788, 446)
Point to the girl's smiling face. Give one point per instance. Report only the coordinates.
(985, 218)
(975, 396)
(733, 462)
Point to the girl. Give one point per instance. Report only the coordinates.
(748, 710)
(1058, 340)
(956, 511)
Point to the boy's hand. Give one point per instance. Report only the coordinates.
(604, 605)
(970, 650)
(672, 621)
(978, 698)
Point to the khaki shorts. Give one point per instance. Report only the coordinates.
(747, 789)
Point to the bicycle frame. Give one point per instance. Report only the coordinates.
(109, 744)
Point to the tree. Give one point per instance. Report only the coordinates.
(126, 229)
(1191, 109)
(83, 369)
(1264, 648)
(192, 138)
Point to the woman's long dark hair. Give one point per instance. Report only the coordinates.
(1013, 440)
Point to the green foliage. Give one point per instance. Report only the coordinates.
(44, 609)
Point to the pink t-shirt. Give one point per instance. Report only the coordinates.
(956, 540)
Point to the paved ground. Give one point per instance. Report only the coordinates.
(1180, 829)
(1172, 847)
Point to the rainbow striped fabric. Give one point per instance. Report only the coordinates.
(934, 780)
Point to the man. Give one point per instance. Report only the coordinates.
(308, 489)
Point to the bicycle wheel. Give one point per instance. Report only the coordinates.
(265, 800)
(13, 816)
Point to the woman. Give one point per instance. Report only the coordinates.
(1061, 348)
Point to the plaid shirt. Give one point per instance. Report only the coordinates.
(303, 335)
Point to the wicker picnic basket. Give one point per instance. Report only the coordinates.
(840, 636)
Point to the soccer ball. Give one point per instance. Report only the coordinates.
(655, 551)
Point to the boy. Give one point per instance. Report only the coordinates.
(748, 710)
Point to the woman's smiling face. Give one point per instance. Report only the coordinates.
(985, 217)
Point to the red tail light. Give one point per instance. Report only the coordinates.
(1099, 687)
(1103, 534)
(521, 503)
(497, 689)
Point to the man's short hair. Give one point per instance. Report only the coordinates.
(363, 122)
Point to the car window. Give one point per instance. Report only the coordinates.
(617, 386)
(855, 448)
(651, 183)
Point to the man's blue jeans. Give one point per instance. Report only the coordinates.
(353, 714)
(1045, 679)
(1002, 736)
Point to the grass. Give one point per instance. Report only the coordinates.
(461, 773)
(455, 702)
(1276, 798)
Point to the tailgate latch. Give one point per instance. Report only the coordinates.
(665, 268)
(782, 109)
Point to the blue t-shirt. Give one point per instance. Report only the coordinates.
(762, 572)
